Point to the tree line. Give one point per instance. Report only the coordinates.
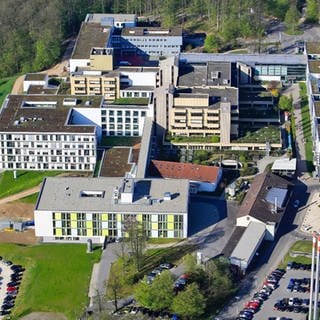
(32, 31)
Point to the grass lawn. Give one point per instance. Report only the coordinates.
(306, 125)
(29, 199)
(6, 85)
(56, 277)
(303, 246)
(120, 141)
(25, 180)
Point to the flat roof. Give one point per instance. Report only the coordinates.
(215, 95)
(285, 164)
(208, 74)
(317, 108)
(64, 194)
(313, 47)
(35, 77)
(151, 32)
(145, 147)
(39, 89)
(249, 241)
(314, 66)
(90, 35)
(100, 17)
(44, 113)
(136, 88)
(116, 162)
(250, 59)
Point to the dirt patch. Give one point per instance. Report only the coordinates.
(25, 237)
(45, 316)
(16, 211)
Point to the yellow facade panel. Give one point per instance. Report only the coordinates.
(119, 217)
(73, 224)
(73, 216)
(57, 215)
(89, 232)
(89, 224)
(139, 217)
(170, 226)
(105, 232)
(58, 232)
(154, 225)
(170, 218)
(104, 217)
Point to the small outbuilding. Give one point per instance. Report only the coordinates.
(248, 245)
(285, 167)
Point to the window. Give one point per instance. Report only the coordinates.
(135, 113)
(143, 113)
(119, 113)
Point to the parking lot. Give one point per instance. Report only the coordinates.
(267, 309)
(10, 278)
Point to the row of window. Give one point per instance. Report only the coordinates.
(44, 151)
(45, 137)
(127, 113)
(67, 224)
(46, 166)
(112, 126)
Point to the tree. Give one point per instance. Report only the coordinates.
(285, 103)
(115, 283)
(189, 303)
(162, 291)
(212, 43)
(292, 18)
(143, 294)
(312, 12)
(136, 238)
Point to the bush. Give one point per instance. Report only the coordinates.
(249, 171)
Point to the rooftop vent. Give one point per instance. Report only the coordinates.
(91, 194)
(69, 102)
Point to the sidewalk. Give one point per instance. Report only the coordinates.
(311, 220)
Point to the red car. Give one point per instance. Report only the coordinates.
(252, 304)
(10, 289)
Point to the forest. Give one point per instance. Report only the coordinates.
(33, 31)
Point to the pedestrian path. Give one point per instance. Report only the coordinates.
(311, 220)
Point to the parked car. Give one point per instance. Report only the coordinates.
(166, 265)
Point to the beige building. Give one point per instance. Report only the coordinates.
(204, 112)
(89, 82)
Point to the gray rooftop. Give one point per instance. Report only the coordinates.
(217, 95)
(144, 149)
(101, 17)
(285, 164)
(64, 194)
(44, 113)
(250, 59)
(210, 74)
(249, 241)
(35, 77)
(136, 88)
(90, 35)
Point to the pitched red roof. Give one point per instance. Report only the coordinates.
(177, 170)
